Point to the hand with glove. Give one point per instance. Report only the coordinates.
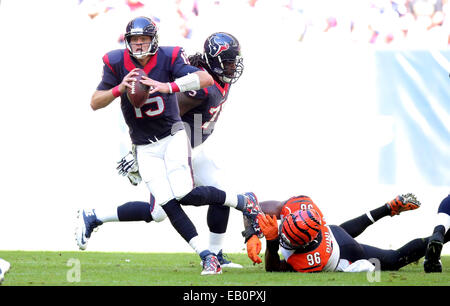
(253, 249)
(269, 226)
(128, 167)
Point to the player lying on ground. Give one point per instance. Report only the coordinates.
(441, 234)
(308, 244)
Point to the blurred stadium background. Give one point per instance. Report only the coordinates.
(346, 101)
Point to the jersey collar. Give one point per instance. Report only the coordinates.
(130, 65)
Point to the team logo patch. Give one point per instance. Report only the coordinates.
(217, 46)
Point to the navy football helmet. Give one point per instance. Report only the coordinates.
(142, 26)
(222, 54)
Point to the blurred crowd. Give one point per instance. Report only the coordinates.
(413, 24)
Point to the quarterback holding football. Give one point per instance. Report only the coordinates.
(160, 141)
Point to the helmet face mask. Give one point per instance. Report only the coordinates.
(222, 54)
(142, 26)
(286, 243)
(232, 70)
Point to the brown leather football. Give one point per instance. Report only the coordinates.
(138, 93)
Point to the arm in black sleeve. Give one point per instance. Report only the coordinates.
(248, 231)
(272, 258)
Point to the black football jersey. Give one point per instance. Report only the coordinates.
(156, 118)
(201, 119)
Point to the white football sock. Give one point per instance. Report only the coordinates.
(107, 214)
(197, 245)
(231, 200)
(216, 242)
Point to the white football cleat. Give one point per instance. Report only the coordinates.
(86, 223)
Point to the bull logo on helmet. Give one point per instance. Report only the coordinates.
(217, 46)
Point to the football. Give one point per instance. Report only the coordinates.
(138, 93)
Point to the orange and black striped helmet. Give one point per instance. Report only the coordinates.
(300, 202)
(299, 228)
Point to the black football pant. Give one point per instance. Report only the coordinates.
(352, 250)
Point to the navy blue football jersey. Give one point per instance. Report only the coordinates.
(201, 119)
(154, 120)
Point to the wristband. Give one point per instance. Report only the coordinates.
(116, 92)
(187, 83)
(173, 87)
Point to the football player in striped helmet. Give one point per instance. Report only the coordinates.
(299, 229)
(310, 245)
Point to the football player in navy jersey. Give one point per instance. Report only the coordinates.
(159, 136)
(200, 110)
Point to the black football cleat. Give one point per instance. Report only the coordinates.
(432, 262)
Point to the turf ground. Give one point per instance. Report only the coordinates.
(172, 269)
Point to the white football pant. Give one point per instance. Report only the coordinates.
(206, 171)
(165, 168)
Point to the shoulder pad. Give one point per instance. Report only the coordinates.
(168, 51)
(172, 53)
(113, 57)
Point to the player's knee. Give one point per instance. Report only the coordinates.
(161, 191)
(160, 218)
(181, 183)
(194, 197)
(181, 193)
(204, 195)
(158, 214)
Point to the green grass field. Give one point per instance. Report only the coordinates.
(153, 269)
